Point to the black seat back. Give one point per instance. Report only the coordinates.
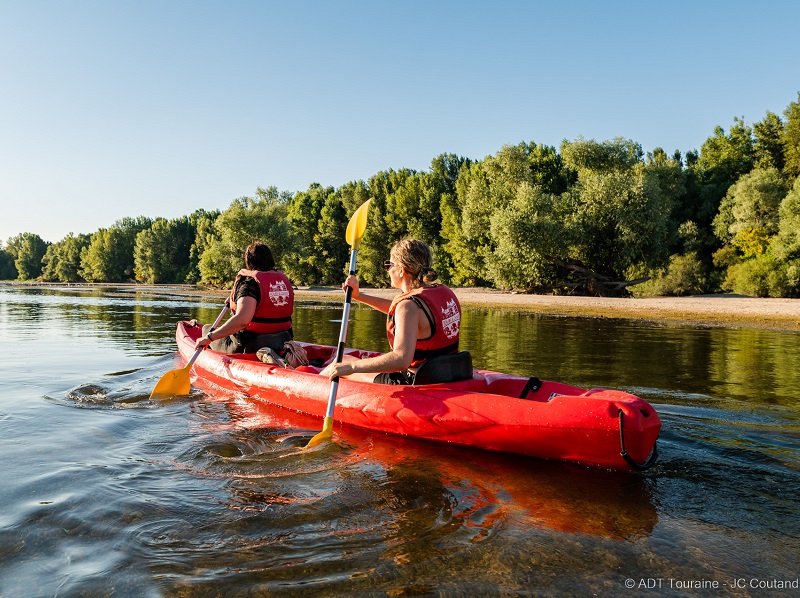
(445, 368)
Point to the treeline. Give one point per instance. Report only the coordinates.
(589, 217)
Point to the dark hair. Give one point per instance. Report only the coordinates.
(257, 256)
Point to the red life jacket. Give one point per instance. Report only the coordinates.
(274, 310)
(444, 315)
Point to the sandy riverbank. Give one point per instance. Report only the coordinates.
(706, 310)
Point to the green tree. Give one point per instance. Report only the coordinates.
(621, 218)
(769, 150)
(439, 190)
(791, 140)
(692, 233)
(99, 260)
(454, 243)
(786, 245)
(331, 249)
(8, 270)
(684, 275)
(13, 245)
(414, 209)
(758, 221)
(584, 155)
(672, 179)
(62, 260)
(445, 170)
(28, 249)
(109, 256)
(203, 224)
(466, 227)
(484, 190)
(748, 215)
(353, 195)
(403, 217)
(530, 235)
(724, 158)
(248, 219)
(381, 231)
(304, 213)
(50, 261)
(760, 276)
(161, 253)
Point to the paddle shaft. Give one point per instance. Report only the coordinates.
(348, 297)
(353, 234)
(213, 327)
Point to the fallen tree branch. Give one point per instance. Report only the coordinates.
(584, 281)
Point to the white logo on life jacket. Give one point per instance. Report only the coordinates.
(451, 319)
(278, 293)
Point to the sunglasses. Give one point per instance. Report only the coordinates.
(388, 264)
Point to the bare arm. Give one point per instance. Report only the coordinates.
(407, 316)
(245, 309)
(379, 303)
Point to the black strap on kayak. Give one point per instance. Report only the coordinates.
(638, 466)
(533, 384)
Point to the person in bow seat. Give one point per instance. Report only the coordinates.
(262, 302)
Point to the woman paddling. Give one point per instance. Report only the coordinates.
(423, 321)
(262, 302)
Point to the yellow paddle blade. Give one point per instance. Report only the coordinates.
(173, 383)
(326, 434)
(357, 225)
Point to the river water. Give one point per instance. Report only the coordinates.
(106, 493)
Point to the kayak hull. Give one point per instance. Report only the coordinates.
(598, 427)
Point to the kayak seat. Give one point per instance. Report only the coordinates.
(445, 368)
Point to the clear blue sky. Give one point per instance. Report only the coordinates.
(114, 108)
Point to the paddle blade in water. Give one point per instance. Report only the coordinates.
(326, 434)
(357, 225)
(173, 383)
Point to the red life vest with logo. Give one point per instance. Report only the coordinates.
(274, 310)
(444, 315)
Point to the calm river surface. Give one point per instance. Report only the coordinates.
(106, 493)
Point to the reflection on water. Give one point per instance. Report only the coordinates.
(107, 492)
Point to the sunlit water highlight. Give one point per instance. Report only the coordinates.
(105, 492)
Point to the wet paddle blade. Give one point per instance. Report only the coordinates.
(357, 225)
(326, 434)
(173, 383)
(176, 382)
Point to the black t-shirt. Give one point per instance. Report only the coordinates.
(247, 287)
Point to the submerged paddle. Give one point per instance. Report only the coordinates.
(176, 382)
(353, 235)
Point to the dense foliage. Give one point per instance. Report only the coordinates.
(588, 217)
(27, 251)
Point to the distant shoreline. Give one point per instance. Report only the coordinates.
(731, 311)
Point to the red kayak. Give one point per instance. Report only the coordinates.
(492, 411)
